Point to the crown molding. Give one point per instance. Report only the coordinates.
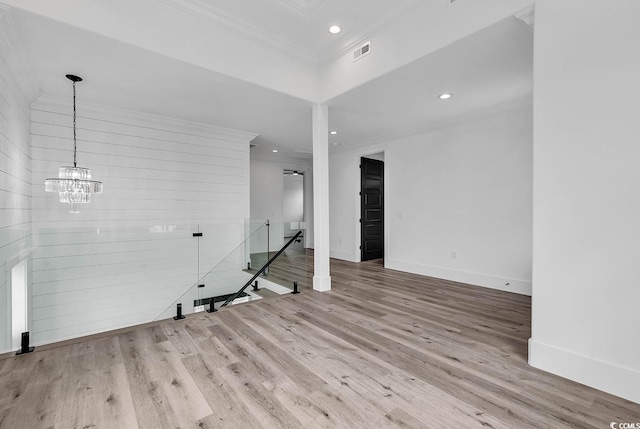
(305, 7)
(339, 49)
(15, 57)
(206, 11)
(431, 126)
(527, 15)
(131, 117)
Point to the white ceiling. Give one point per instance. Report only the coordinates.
(124, 76)
(491, 67)
(484, 69)
(299, 26)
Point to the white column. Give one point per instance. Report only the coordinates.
(321, 275)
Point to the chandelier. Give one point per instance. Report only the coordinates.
(73, 184)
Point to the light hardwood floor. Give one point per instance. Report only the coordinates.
(382, 349)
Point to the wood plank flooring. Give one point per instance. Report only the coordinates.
(383, 349)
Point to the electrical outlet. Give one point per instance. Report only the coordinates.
(454, 254)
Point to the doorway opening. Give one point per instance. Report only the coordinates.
(293, 209)
(18, 303)
(372, 207)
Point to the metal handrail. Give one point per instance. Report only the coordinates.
(261, 270)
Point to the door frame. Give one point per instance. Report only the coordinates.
(384, 150)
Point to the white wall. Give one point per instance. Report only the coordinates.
(266, 198)
(267, 193)
(586, 205)
(465, 187)
(130, 252)
(15, 187)
(292, 202)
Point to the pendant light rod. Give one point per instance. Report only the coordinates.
(74, 79)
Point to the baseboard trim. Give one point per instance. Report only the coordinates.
(321, 284)
(606, 376)
(342, 255)
(522, 287)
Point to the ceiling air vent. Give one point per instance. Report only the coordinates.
(362, 51)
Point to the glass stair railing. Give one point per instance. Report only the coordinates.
(249, 272)
(83, 280)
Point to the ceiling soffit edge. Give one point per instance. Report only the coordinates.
(134, 117)
(293, 163)
(431, 126)
(206, 11)
(305, 7)
(15, 56)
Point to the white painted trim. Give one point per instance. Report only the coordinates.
(305, 7)
(343, 46)
(321, 236)
(606, 376)
(522, 287)
(130, 117)
(350, 44)
(205, 10)
(527, 15)
(321, 284)
(342, 255)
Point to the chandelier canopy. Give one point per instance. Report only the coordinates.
(73, 184)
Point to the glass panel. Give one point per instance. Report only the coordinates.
(294, 264)
(85, 280)
(225, 250)
(89, 280)
(257, 249)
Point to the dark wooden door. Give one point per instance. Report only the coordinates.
(371, 209)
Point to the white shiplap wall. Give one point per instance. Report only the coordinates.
(15, 188)
(130, 252)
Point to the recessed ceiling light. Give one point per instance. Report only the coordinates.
(275, 151)
(334, 29)
(445, 96)
(333, 133)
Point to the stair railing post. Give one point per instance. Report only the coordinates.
(178, 315)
